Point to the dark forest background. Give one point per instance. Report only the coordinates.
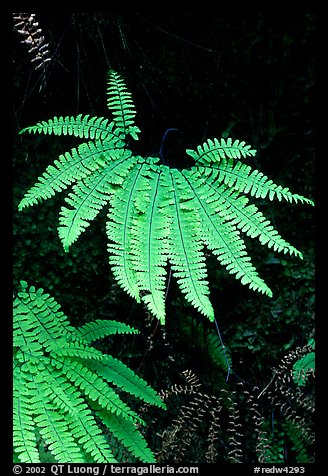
(249, 77)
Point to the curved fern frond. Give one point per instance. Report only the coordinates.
(80, 126)
(94, 387)
(88, 198)
(78, 415)
(185, 247)
(117, 373)
(60, 383)
(222, 237)
(119, 101)
(127, 433)
(38, 317)
(121, 219)
(24, 427)
(76, 349)
(233, 206)
(150, 242)
(98, 329)
(71, 166)
(54, 429)
(212, 151)
(243, 178)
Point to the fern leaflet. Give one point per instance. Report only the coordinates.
(119, 101)
(80, 126)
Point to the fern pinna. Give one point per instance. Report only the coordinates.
(158, 215)
(66, 392)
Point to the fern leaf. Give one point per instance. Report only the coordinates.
(80, 126)
(126, 432)
(120, 375)
(34, 316)
(75, 348)
(98, 329)
(223, 239)
(77, 415)
(71, 166)
(119, 101)
(94, 387)
(43, 309)
(185, 248)
(243, 178)
(88, 198)
(213, 151)
(24, 436)
(55, 431)
(235, 207)
(150, 244)
(121, 219)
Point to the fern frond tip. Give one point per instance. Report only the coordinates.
(26, 129)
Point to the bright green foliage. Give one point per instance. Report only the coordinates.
(304, 366)
(119, 101)
(159, 215)
(62, 386)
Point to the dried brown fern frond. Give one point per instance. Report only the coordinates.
(27, 26)
(190, 387)
(196, 411)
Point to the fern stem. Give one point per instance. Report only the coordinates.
(160, 152)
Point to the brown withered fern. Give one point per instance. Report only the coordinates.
(27, 26)
(240, 423)
(179, 436)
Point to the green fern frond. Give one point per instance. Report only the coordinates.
(213, 151)
(157, 215)
(88, 198)
(76, 349)
(94, 386)
(54, 429)
(35, 312)
(24, 427)
(149, 245)
(128, 435)
(243, 178)
(235, 208)
(119, 101)
(71, 167)
(118, 374)
(185, 247)
(80, 126)
(222, 237)
(60, 382)
(98, 329)
(121, 218)
(78, 415)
